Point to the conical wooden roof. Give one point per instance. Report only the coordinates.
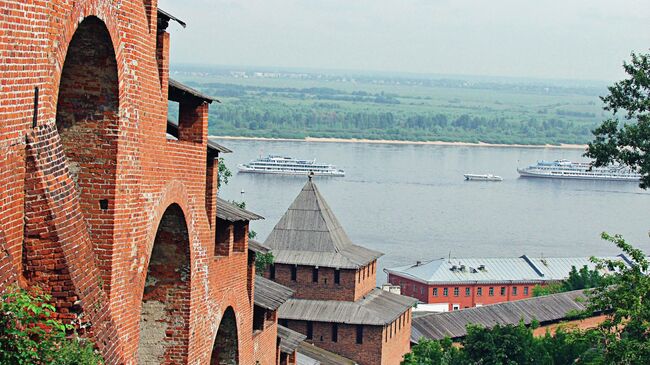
(309, 234)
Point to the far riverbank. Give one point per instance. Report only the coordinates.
(387, 141)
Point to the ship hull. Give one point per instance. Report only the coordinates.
(524, 173)
(291, 173)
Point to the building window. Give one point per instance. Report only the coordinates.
(359, 334)
(421, 290)
(337, 276)
(491, 291)
(294, 273)
(456, 291)
(272, 271)
(435, 292)
(514, 291)
(445, 292)
(310, 330)
(314, 275)
(468, 292)
(503, 291)
(525, 290)
(335, 332)
(479, 292)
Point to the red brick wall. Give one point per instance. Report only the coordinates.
(353, 285)
(367, 353)
(399, 343)
(425, 292)
(51, 180)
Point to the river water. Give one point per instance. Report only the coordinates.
(411, 201)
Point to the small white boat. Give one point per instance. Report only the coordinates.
(484, 177)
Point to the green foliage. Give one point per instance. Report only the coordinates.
(627, 301)
(577, 279)
(223, 174)
(628, 141)
(30, 335)
(263, 261)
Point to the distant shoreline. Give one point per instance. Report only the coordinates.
(387, 141)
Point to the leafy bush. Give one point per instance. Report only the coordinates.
(30, 335)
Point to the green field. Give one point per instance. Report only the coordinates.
(298, 105)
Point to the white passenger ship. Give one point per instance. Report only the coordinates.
(289, 166)
(565, 169)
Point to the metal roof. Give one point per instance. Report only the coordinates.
(309, 354)
(289, 339)
(217, 146)
(309, 234)
(493, 270)
(257, 247)
(165, 17)
(376, 308)
(269, 294)
(179, 91)
(544, 309)
(232, 213)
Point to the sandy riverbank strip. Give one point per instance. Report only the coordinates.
(386, 141)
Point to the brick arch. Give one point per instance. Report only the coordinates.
(226, 344)
(163, 294)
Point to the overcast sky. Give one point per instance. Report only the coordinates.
(569, 39)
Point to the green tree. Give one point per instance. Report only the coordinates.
(29, 333)
(627, 302)
(577, 279)
(223, 174)
(628, 141)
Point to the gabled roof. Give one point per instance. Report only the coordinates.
(257, 247)
(309, 354)
(494, 270)
(179, 92)
(544, 309)
(232, 213)
(269, 294)
(289, 339)
(310, 234)
(376, 308)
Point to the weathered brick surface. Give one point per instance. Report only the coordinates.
(86, 180)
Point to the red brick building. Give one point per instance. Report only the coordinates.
(336, 304)
(105, 207)
(473, 282)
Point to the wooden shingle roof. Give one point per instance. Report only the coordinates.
(309, 354)
(232, 213)
(544, 309)
(269, 294)
(289, 339)
(310, 234)
(377, 308)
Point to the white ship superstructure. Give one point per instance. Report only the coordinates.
(565, 169)
(283, 165)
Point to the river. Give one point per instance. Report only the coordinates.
(411, 201)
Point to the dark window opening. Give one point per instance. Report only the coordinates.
(314, 275)
(467, 292)
(283, 322)
(503, 291)
(103, 204)
(310, 330)
(258, 318)
(335, 332)
(272, 271)
(359, 334)
(337, 276)
(294, 273)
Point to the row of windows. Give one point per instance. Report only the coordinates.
(479, 291)
(334, 335)
(397, 325)
(366, 271)
(314, 274)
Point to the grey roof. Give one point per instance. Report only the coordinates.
(257, 247)
(232, 213)
(376, 308)
(310, 234)
(217, 146)
(289, 339)
(165, 17)
(179, 91)
(496, 270)
(544, 309)
(309, 354)
(269, 294)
